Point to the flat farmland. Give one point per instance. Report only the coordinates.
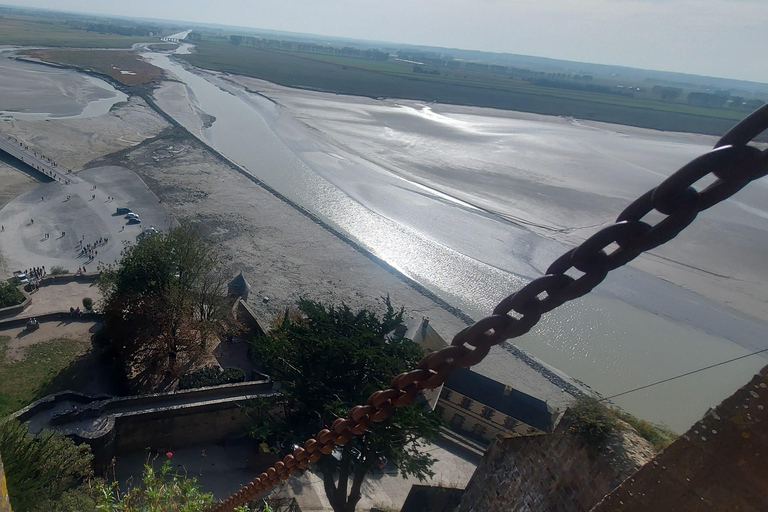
(376, 79)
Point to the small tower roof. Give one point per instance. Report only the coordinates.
(239, 285)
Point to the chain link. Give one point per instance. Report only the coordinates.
(733, 165)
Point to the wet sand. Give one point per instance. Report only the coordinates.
(74, 142)
(33, 91)
(561, 178)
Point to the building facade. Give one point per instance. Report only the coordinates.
(483, 409)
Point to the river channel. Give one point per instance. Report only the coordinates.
(612, 340)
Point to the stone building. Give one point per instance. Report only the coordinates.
(483, 409)
(238, 288)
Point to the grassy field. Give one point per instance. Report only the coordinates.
(107, 62)
(397, 80)
(24, 32)
(22, 382)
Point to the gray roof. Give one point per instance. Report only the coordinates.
(239, 284)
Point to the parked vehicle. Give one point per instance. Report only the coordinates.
(122, 210)
(132, 215)
(21, 276)
(134, 220)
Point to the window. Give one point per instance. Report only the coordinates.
(446, 393)
(466, 403)
(488, 413)
(457, 420)
(510, 423)
(439, 410)
(479, 430)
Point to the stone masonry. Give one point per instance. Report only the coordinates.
(720, 464)
(551, 472)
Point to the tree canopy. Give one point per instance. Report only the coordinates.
(45, 473)
(327, 360)
(163, 302)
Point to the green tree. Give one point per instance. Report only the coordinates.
(164, 302)
(48, 473)
(327, 360)
(9, 295)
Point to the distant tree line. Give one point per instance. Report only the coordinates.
(667, 93)
(112, 28)
(279, 44)
(723, 99)
(424, 71)
(602, 89)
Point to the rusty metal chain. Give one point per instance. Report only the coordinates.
(732, 163)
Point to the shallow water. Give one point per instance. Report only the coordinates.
(449, 241)
(32, 92)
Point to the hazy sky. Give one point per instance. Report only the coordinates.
(725, 38)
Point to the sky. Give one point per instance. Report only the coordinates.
(723, 38)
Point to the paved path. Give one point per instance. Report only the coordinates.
(37, 161)
(48, 225)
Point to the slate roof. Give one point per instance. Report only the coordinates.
(239, 285)
(489, 392)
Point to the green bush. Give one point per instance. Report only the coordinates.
(47, 473)
(88, 303)
(159, 491)
(10, 295)
(659, 436)
(591, 419)
(211, 376)
(595, 421)
(58, 271)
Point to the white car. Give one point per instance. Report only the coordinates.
(131, 216)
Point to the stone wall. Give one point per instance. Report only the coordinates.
(5, 502)
(550, 472)
(718, 465)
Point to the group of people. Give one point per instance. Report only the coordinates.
(37, 272)
(75, 312)
(90, 250)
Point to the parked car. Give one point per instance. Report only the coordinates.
(134, 220)
(122, 210)
(132, 215)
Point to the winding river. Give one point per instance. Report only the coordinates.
(614, 340)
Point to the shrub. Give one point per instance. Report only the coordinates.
(211, 376)
(591, 419)
(88, 303)
(161, 490)
(595, 421)
(659, 436)
(58, 271)
(10, 295)
(46, 472)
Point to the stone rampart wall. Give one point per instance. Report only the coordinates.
(718, 465)
(541, 473)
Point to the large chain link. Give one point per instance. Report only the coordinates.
(732, 163)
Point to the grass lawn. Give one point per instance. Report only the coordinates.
(27, 32)
(108, 62)
(22, 382)
(375, 79)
